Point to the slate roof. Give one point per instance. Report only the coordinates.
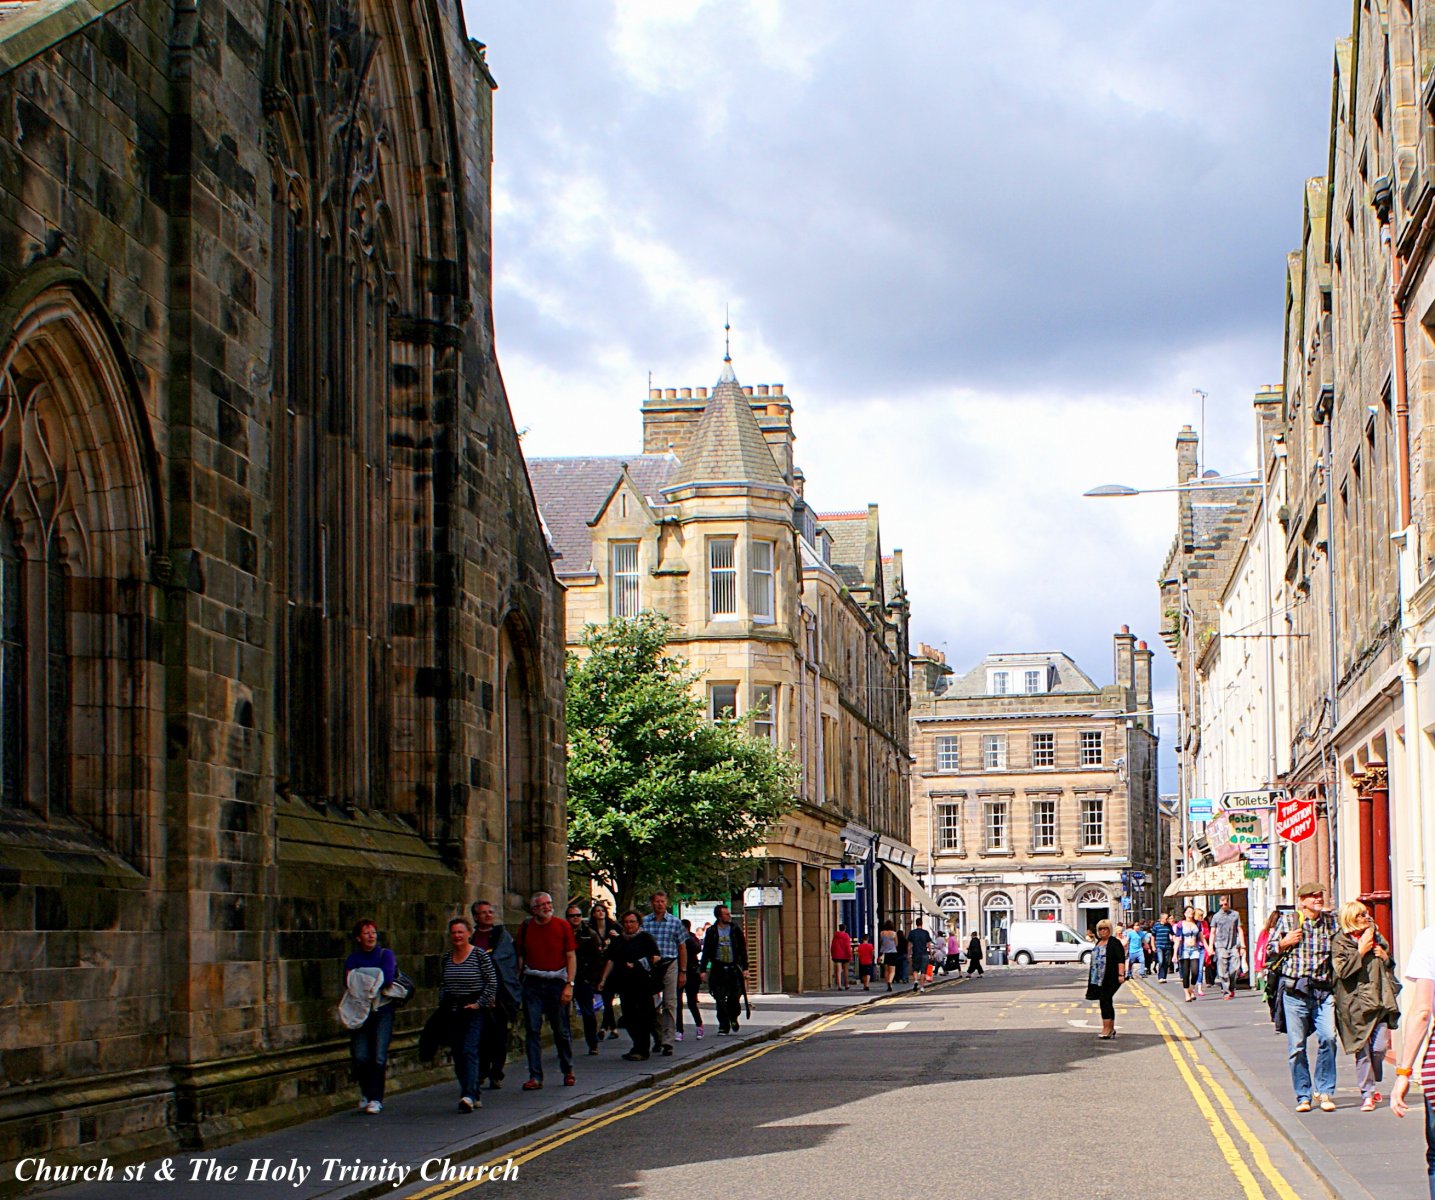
(570, 490)
(727, 444)
(1069, 677)
(848, 531)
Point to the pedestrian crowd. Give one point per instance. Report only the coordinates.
(650, 965)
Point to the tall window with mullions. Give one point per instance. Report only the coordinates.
(623, 578)
(722, 577)
(57, 731)
(12, 660)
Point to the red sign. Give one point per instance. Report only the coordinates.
(1295, 819)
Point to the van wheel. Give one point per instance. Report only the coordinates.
(1086, 958)
(1023, 957)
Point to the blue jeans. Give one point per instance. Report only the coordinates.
(544, 998)
(1304, 1015)
(465, 1030)
(369, 1050)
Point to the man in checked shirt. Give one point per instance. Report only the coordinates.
(1303, 939)
(671, 937)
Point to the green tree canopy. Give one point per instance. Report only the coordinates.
(659, 795)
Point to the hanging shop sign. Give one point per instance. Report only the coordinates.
(1295, 819)
(1251, 801)
(842, 882)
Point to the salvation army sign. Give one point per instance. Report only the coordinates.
(1295, 819)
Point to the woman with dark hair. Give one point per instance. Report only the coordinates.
(367, 971)
(692, 981)
(632, 958)
(1189, 949)
(468, 987)
(1108, 972)
(974, 955)
(606, 929)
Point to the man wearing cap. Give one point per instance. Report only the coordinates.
(1302, 939)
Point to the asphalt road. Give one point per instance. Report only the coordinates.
(993, 1088)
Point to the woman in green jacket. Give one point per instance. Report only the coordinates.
(1367, 1006)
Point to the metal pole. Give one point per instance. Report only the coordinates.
(1270, 641)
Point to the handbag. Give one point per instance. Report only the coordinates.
(399, 992)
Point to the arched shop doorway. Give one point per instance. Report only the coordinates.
(1092, 905)
(1046, 906)
(996, 918)
(954, 908)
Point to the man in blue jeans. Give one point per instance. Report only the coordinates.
(547, 965)
(1303, 938)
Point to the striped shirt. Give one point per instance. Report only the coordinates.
(473, 979)
(667, 931)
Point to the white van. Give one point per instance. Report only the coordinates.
(1045, 941)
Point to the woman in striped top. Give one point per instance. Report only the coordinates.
(467, 991)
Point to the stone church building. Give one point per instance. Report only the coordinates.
(282, 644)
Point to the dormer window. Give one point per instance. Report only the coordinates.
(1000, 683)
(623, 578)
(1035, 683)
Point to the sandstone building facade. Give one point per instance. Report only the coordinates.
(1034, 792)
(796, 620)
(281, 641)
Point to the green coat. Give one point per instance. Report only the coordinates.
(1366, 993)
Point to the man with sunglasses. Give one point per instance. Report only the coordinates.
(1303, 939)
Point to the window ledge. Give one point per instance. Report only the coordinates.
(1052, 851)
(998, 854)
(1104, 850)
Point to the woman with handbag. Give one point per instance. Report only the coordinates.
(632, 958)
(1107, 973)
(1367, 1005)
(368, 971)
(469, 985)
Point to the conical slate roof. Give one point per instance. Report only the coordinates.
(728, 445)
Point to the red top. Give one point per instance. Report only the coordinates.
(546, 947)
(841, 946)
(866, 953)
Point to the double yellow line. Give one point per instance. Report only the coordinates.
(1181, 1050)
(640, 1104)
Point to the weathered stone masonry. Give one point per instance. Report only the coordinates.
(281, 641)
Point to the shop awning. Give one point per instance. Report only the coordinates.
(1224, 877)
(925, 900)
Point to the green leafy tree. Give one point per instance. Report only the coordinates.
(659, 795)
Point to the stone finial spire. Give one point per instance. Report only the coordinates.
(728, 445)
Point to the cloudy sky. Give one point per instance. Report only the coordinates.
(990, 249)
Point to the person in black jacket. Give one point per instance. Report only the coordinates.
(585, 983)
(725, 961)
(632, 960)
(1107, 973)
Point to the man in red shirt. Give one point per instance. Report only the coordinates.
(841, 956)
(866, 958)
(547, 966)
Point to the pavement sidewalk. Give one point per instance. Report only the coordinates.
(424, 1124)
(1361, 1156)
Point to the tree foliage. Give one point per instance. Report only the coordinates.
(658, 794)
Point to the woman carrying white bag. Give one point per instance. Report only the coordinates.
(374, 990)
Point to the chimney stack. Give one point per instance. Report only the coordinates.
(1124, 644)
(1143, 685)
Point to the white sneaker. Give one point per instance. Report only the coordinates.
(679, 1035)
(363, 1104)
(700, 1033)
(374, 1107)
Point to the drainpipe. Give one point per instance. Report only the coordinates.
(1382, 197)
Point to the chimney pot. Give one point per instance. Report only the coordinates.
(702, 393)
(762, 389)
(1141, 645)
(747, 391)
(777, 389)
(1126, 629)
(655, 393)
(686, 393)
(670, 393)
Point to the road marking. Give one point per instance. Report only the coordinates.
(1233, 1158)
(1257, 1147)
(446, 1190)
(1166, 1025)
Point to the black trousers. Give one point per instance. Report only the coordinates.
(639, 1015)
(493, 1043)
(725, 984)
(974, 965)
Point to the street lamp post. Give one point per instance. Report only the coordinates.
(1208, 483)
